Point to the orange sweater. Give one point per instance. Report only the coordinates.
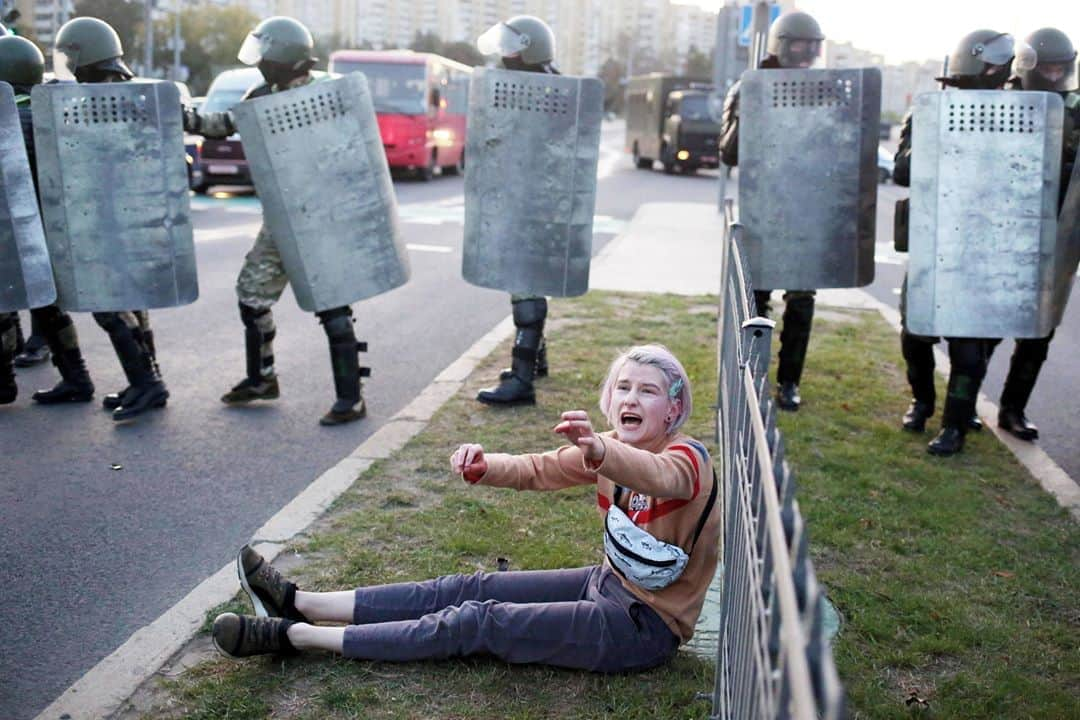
(669, 486)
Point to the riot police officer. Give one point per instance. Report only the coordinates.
(1054, 70)
(981, 61)
(794, 41)
(282, 49)
(527, 44)
(22, 66)
(88, 50)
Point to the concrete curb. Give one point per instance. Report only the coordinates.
(1050, 476)
(105, 687)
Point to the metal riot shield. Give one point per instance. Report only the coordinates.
(808, 176)
(320, 169)
(1067, 255)
(114, 195)
(530, 181)
(985, 173)
(26, 279)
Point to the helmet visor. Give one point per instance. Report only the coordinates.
(64, 63)
(998, 50)
(800, 52)
(253, 49)
(501, 39)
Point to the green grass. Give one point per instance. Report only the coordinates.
(956, 578)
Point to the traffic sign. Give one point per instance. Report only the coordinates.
(746, 22)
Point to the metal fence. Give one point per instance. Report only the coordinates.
(773, 657)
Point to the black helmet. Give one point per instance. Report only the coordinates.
(87, 43)
(1054, 68)
(982, 60)
(281, 47)
(525, 40)
(795, 40)
(21, 63)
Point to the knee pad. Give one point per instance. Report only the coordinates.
(531, 311)
(110, 322)
(337, 322)
(261, 319)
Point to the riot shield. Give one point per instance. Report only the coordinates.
(114, 195)
(320, 169)
(985, 174)
(530, 182)
(26, 279)
(1067, 255)
(808, 176)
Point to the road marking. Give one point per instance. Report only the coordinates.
(429, 248)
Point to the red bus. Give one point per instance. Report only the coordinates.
(421, 101)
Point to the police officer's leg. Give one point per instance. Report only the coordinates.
(794, 339)
(59, 331)
(968, 359)
(261, 281)
(36, 349)
(1024, 366)
(146, 390)
(517, 389)
(145, 336)
(761, 303)
(918, 352)
(8, 343)
(345, 363)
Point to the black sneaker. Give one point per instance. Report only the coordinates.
(248, 390)
(271, 594)
(787, 397)
(240, 636)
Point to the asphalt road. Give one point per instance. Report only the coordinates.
(103, 528)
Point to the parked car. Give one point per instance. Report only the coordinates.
(222, 162)
(884, 165)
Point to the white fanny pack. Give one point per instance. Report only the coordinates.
(639, 556)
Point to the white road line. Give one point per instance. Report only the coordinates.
(429, 248)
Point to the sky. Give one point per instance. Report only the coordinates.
(928, 29)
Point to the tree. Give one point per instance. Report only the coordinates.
(212, 36)
(426, 42)
(464, 52)
(125, 17)
(698, 64)
(613, 72)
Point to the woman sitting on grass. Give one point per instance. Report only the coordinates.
(655, 490)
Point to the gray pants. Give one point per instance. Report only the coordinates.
(582, 618)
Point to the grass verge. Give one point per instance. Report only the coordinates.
(956, 578)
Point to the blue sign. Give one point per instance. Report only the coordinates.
(746, 23)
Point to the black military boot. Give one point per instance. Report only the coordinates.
(787, 396)
(345, 363)
(8, 389)
(541, 363)
(75, 384)
(260, 383)
(916, 416)
(145, 387)
(35, 352)
(116, 399)
(948, 442)
(517, 389)
(1014, 421)
(1024, 366)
